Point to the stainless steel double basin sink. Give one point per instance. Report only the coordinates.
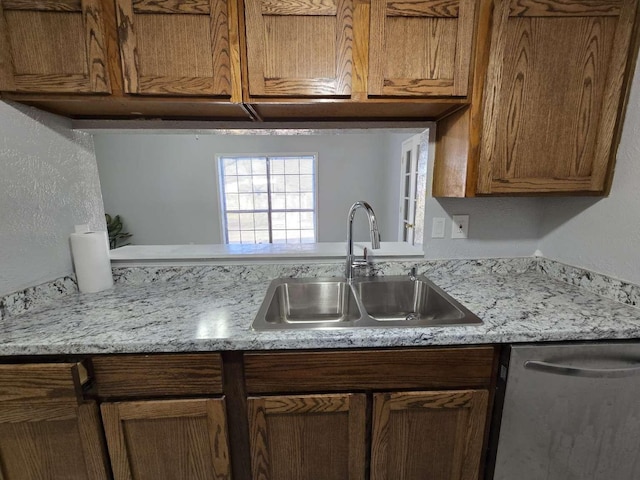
(392, 301)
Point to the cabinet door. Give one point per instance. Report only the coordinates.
(418, 435)
(46, 432)
(308, 436)
(168, 439)
(299, 47)
(554, 95)
(420, 48)
(177, 47)
(51, 46)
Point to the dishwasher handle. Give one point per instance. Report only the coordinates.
(568, 370)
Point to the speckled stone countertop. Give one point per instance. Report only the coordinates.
(212, 310)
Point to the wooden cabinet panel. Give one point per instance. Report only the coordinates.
(179, 47)
(299, 47)
(53, 46)
(308, 436)
(369, 369)
(554, 95)
(418, 435)
(169, 439)
(157, 375)
(420, 47)
(46, 431)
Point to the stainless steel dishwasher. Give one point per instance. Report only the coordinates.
(571, 412)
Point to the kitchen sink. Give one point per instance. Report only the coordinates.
(394, 301)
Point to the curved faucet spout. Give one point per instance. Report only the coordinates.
(375, 235)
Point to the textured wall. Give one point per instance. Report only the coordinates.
(603, 234)
(48, 183)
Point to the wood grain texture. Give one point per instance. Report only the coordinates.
(43, 5)
(577, 65)
(552, 8)
(310, 436)
(299, 7)
(7, 70)
(197, 7)
(452, 155)
(169, 439)
(128, 47)
(235, 66)
(299, 49)
(96, 47)
(360, 73)
(219, 31)
(69, 448)
(368, 369)
(157, 375)
(421, 48)
(417, 435)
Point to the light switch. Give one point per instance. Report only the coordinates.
(460, 226)
(437, 229)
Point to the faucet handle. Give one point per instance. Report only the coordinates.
(413, 273)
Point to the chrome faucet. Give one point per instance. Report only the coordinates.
(352, 262)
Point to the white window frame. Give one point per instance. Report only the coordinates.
(221, 191)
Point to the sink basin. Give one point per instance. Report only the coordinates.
(315, 303)
(308, 303)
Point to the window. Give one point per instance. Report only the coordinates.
(268, 199)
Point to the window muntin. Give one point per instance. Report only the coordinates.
(268, 199)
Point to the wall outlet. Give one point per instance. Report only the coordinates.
(437, 229)
(460, 226)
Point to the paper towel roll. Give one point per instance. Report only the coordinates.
(90, 252)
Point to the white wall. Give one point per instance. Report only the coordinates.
(48, 183)
(603, 234)
(166, 190)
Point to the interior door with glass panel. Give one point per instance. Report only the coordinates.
(408, 190)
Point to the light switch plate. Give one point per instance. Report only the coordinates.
(460, 226)
(437, 228)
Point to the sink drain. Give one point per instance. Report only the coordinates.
(412, 316)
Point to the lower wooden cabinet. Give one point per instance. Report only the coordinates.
(308, 437)
(47, 431)
(424, 435)
(167, 439)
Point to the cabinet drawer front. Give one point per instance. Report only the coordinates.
(39, 391)
(158, 375)
(369, 369)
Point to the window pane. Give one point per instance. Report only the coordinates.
(260, 201)
(229, 166)
(277, 183)
(233, 221)
(293, 201)
(231, 184)
(278, 201)
(246, 221)
(260, 183)
(293, 236)
(306, 165)
(292, 183)
(246, 201)
(259, 166)
(277, 166)
(234, 237)
(306, 201)
(261, 221)
(291, 166)
(279, 236)
(232, 202)
(293, 220)
(262, 236)
(307, 236)
(306, 183)
(245, 184)
(306, 220)
(247, 236)
(244, 166)
(278, 221)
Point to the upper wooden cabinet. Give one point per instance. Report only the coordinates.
(299, 47)
(548, 101)
(421, 48)
(554, 94)
(53, 46)
(178, 47)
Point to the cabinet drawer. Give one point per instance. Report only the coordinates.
(158, 375)
(369, 369)
(39, 391)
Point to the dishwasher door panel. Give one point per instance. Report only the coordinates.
(571, 412)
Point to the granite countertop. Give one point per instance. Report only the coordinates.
(214, 312)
